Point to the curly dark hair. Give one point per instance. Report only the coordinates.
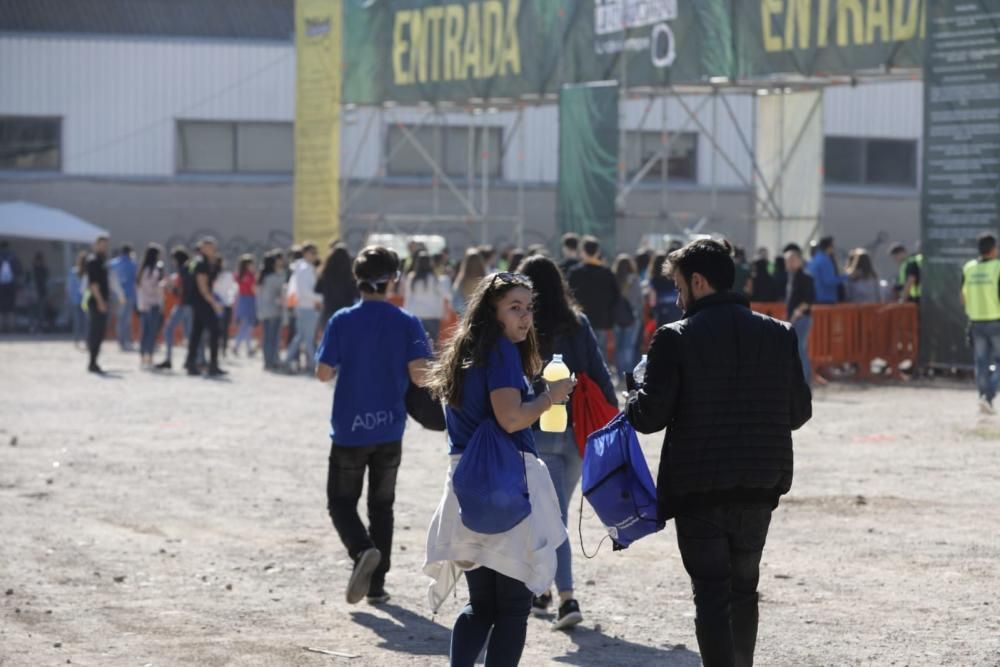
(477, 334)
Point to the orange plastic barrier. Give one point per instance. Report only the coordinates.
(859, 334)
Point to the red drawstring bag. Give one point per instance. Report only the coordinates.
(590, 410)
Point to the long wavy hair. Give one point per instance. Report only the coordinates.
(477, 334)
(556, 311)
(337, 267)
(471, 270)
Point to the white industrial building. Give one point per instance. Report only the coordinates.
(165, 125)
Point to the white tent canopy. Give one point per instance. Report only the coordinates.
(25, 220)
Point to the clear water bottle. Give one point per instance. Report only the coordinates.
(639, 373)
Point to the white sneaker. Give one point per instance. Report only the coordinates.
(986, 408)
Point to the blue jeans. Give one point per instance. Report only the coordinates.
(559, 453)
(271, 339)
(802, 327)
(499, 604)
(625, 348)
(125, 323)
(306, 320)
(179, 316)
(150, 321)
(986, 350)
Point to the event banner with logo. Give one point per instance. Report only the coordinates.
(458, 50)
(961, 175)
(588, 160)
(318, 84)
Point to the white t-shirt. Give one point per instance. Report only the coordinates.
(425, 298)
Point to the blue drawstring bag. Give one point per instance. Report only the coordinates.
(617, 483)
(491, 482)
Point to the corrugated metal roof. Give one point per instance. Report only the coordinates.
(235, 19)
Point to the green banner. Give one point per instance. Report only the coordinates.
(588, 161)
(434, 50)
(961, 196)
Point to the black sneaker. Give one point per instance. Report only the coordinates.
(569, 615)
(361, 576)
(94, 368)
(377, 596)
(164, 365)
(540, 604)
(216, 372)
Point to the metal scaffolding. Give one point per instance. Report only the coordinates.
(477, 214)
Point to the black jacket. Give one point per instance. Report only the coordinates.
(596, 290)
(727, 384)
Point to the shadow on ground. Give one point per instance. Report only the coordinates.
(406, 632)
(593, 647)
(412, 634)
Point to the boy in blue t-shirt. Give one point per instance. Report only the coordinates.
(377, 349)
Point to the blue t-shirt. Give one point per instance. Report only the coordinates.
(125, 270)
(371, 344)
(503, 369)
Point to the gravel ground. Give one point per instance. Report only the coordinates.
(156, 519)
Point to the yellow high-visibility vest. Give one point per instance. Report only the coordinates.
(979, 287)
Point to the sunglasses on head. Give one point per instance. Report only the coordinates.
(510, 278)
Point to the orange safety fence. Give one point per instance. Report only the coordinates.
(866, 336)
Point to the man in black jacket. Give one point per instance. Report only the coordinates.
(728, 386)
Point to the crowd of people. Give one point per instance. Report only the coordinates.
(284, 298)
(191, 295)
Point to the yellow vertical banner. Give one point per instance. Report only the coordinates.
(318, 79)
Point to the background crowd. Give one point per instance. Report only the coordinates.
(275, 305)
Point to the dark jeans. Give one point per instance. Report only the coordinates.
(721, 548)
(497, 603)
(343, 490)
(204, 318)
(95, 332)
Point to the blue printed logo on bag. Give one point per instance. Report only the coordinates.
(617, 483)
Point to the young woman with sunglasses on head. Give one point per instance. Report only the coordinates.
(483, 374)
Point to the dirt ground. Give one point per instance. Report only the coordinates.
(162, 520)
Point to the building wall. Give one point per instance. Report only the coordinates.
(120, 97)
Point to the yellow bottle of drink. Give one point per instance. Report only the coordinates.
(553, 420)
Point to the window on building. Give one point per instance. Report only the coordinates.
(30, 144)
(878, 162)
(448, 146)
(682, 161)
(243, 147)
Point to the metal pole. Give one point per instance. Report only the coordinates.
(470, 166)
(752, 149)
(522, 166)
(779, 177)
(665, 157)
(484, 149)
(715, 153)
(438, 155)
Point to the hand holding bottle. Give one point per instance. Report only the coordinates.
(559, 390)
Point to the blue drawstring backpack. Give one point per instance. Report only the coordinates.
(491, 482)
(617, 483)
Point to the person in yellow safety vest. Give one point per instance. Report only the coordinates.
(981, 298)
(908, 283)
